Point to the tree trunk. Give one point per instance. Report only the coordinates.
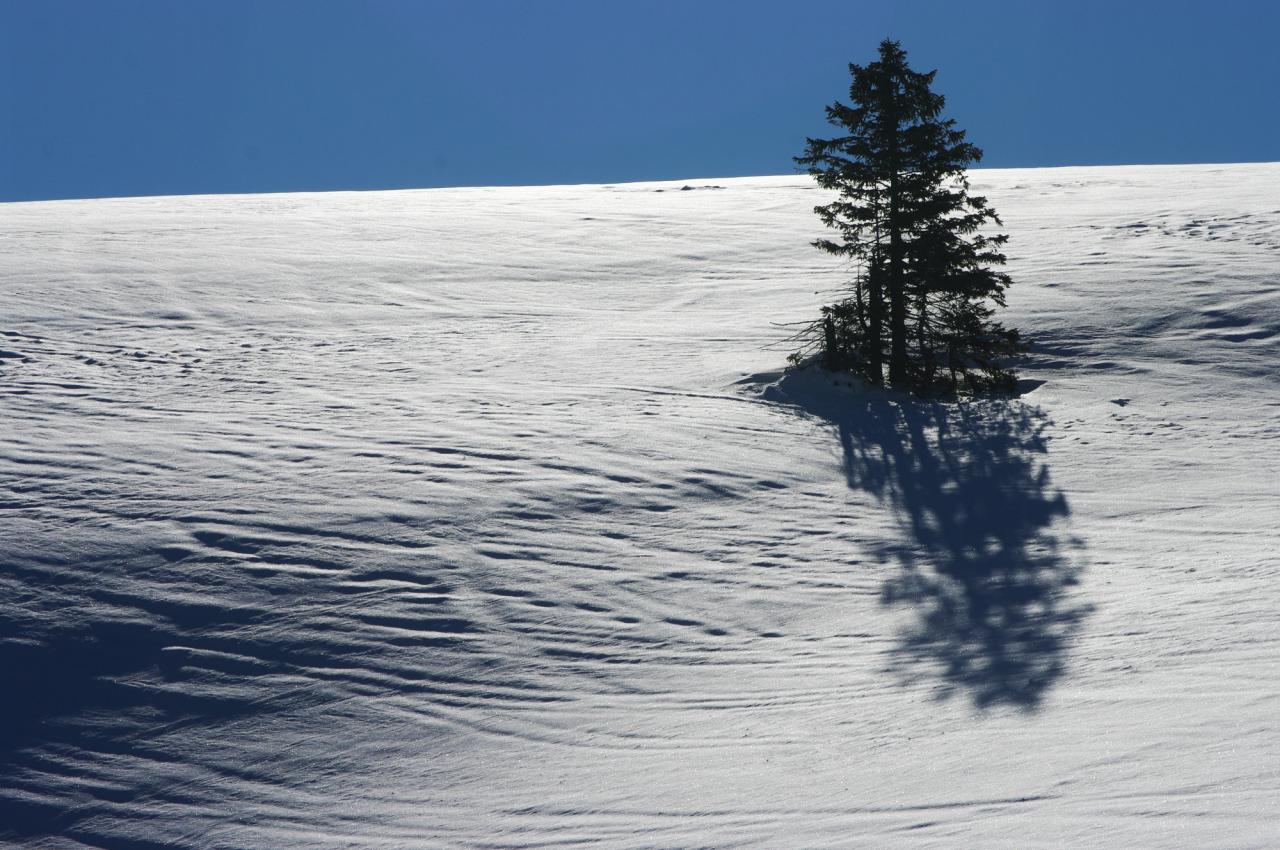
(875, 333)
(897, 309)
(922, 341)
(834, 361)
(897, 295)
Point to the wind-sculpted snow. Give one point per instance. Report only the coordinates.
(484, 518)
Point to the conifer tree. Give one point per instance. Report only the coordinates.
(923, 300)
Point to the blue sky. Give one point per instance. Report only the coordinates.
(145, 97)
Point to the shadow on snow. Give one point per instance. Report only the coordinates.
(980, 560)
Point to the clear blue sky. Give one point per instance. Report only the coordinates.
(144, 97)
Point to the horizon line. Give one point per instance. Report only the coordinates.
(336, 190)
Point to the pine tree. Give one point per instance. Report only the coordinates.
(922, 299)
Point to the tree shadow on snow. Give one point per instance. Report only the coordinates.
(980, 560)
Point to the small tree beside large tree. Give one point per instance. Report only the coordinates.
(926, 288)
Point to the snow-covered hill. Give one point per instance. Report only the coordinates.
(483, 518)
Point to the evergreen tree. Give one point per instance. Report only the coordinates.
(922, 300)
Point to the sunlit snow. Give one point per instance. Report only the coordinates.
(485, 518)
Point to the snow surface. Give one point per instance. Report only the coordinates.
(483, 518)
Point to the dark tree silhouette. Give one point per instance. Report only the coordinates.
(926, 287)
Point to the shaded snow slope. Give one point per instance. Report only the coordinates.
(482, 518)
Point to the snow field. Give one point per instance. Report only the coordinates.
(484, 518)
